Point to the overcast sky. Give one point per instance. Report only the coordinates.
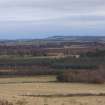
(42, 18)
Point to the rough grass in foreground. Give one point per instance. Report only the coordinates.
(18, 102)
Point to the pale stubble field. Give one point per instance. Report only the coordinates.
(43, 90)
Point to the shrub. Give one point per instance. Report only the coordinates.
(85, 76)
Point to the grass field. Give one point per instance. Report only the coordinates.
(25, 79)
(33, 91)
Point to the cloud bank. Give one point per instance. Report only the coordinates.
(39, 18)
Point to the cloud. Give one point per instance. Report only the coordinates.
(49, 9)
(20, 16)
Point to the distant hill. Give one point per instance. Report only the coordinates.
(54, 39)
(76, 38)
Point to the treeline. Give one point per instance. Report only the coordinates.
(73, 66)
(84, 76)
(97, 53)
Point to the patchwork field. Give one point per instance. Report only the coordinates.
(43, 90)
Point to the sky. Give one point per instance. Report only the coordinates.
(22, 19)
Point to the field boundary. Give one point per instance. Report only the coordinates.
(65, 95)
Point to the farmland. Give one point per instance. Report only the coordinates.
(52, 73)
(51, 57)
(34, 91)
